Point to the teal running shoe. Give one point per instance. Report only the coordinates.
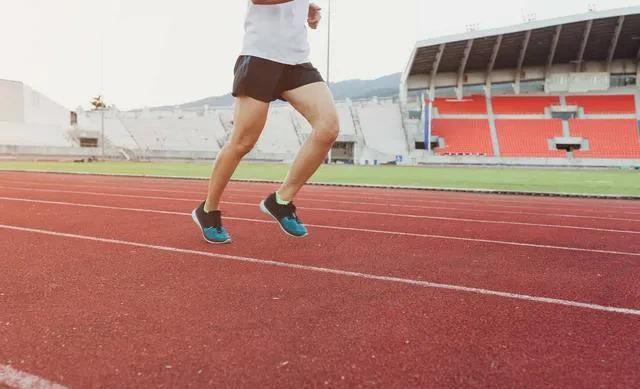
(285, 215)
(210, 224)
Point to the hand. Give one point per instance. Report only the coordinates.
(314, 15)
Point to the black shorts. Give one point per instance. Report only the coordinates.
(267, 80)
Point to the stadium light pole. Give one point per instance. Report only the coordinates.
(329, 44)
(102, 94)
(329, 155)
(102, 130)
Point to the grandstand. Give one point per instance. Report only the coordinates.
(529, 138)
(30, 122)
(560, 92)
(381, 128)
(463, 136)
(200, 133)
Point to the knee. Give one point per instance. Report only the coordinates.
(326, 130)
(242, 146)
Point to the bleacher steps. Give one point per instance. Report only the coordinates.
(495, 142)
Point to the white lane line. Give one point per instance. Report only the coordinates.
(346, 273)
(191, 200)
(375, 192)
(418, 201)
(14, 378)
(561, 226)
(353, 229)
(442, 218)
(174, 182)
(491, 209)
(549, 214)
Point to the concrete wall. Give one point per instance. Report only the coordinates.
(46, 151)
(279, 135)
(21, 134)
(382, 127)
(41, 110)
(114, 131)
(544, 162)
(11, 101)
(423, 81)
(29, 118)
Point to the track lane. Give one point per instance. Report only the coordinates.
(595, 239)
(363, 206)
(129, 317)
(337, 194)
(409, 196)
(591, 277)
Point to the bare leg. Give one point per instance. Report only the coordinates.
(249, 120)
(315, 103)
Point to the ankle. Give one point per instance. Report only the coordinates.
(208, 209)
(280, 200)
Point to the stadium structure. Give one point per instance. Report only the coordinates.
(564, 91)
(560, 92)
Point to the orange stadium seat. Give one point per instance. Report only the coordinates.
(604, 104)
(608, 138)
(505, 105)
(469, 105)
(528, 138)
(463, 136)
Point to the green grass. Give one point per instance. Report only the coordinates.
(618, 182)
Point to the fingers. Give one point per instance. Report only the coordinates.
(314, 18)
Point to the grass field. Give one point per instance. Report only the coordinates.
(610, 182)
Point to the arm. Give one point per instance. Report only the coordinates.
(270, 2)
(314, 15)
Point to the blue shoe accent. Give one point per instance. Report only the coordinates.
(210, 224)
(293, 227)
(216, 235)
(285, 215)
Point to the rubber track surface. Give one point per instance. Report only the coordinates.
(100, 314)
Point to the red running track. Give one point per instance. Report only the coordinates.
(106, 283)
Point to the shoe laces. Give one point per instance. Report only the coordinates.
(214, 219)
(291, 210)
(219, 230)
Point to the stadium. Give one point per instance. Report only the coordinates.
(556, 92)
(477, 227)
(560, 92)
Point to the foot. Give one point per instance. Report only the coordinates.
(285, 215)
(210, 223)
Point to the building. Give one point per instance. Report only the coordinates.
(562, 92)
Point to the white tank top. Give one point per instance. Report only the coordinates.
(277, 32)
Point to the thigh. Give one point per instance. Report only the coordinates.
(314, 101)
(249, 119)
(257, 78)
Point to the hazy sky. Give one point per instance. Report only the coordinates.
(160, 52)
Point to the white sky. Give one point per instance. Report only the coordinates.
(160, 52)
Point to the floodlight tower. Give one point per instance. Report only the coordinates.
(102, 94)
(329, 43)
(329, 58)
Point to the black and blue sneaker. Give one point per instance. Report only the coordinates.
(285, 215)
(210, 224)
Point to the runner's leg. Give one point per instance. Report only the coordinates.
(249, 120)
(315, 102)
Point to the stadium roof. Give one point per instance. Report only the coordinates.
(603, 36)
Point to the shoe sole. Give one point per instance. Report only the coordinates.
(195, 219)
(264, 210)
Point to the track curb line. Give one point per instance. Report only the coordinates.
(346, 185)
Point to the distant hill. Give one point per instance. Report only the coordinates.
(385, 86)
(361, 89)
